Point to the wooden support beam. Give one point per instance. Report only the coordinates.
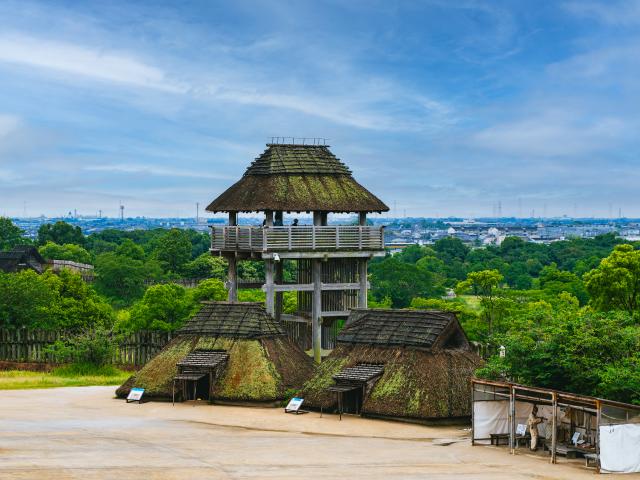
(279, 302)
(326, 255)
(233, 278)
(269, 285)
(316, 310)
(554, 428)
(364, 284)
(362, 218)
(309, 287)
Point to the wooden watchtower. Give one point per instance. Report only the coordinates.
(331, 259)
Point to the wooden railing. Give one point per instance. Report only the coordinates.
(22, 345)
(300, 238)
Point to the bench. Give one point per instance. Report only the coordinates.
(590, 457)
(497, 437)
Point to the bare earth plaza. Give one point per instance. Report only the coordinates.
(83, 433)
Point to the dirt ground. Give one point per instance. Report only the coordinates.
(84, 433)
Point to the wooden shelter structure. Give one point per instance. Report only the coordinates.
(199, 370)
(408, 364)
(22, 257)
(604, 432)
(331, 260)
(229, 351)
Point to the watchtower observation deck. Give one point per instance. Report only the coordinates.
(295, 178)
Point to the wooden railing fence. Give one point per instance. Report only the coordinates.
(22, 345)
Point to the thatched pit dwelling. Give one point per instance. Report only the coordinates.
(261, 363)
(407, 364)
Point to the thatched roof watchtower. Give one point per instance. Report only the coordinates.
(331, 259)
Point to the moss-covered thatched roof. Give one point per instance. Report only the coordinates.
(263, 363)
(233, 320)
(418, 384)
(423, 329)
(295, 178)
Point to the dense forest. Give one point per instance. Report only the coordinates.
(567, 313)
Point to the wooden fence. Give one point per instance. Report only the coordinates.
(21, 345)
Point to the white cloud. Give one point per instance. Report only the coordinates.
(550, 134)
(155, 170)
(84, 61)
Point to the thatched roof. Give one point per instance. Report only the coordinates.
(358, 374)
(426, 357)
(422, 329)
(417, 384)
(296, 178)
(21, 257)
(263, 363)
(233, 320)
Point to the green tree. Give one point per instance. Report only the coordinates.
(206, 266)
(401, 282)
(130, 250)
(173, 250)
(211, 289)
(451, 248)
(10, 234)
(60, 233)
(25, 299)
(615, 284)
(163, 307)
(68, 251)
(484, 284)
(122, 278)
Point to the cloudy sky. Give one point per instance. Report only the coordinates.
(438, 109)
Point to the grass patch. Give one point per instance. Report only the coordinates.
(80, 375)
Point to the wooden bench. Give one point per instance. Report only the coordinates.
(497, 437)
(590, 457)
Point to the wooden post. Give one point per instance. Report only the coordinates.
(233, 278)
(362, 219)
(512, 420)
(554, 427)
(279, 278)
(598, 420)
(316, 310)
(279, 218)
(269, 282)
(473, 404)
(233, 266)
(268, 216)
(362, 277)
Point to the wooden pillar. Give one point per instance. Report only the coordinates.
(233, 265)
(362, 219)
(233, 278)
(269, 271)
(554, 427)
(268, 217)
(512, 420)
(279, 218)
(362, 277)
(316, 310)
(279, 278)
(598, 420)
(316, 305)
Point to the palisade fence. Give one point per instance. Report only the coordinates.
(22, 345)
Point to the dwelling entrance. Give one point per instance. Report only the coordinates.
(352, 384)
(197, 374)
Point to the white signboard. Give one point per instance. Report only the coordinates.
(294, 405)
(135, 395)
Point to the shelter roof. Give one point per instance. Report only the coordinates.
(423, 329)
(359, 374)
(233, 320)
(204, 359)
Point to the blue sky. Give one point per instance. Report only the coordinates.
(439, 107)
